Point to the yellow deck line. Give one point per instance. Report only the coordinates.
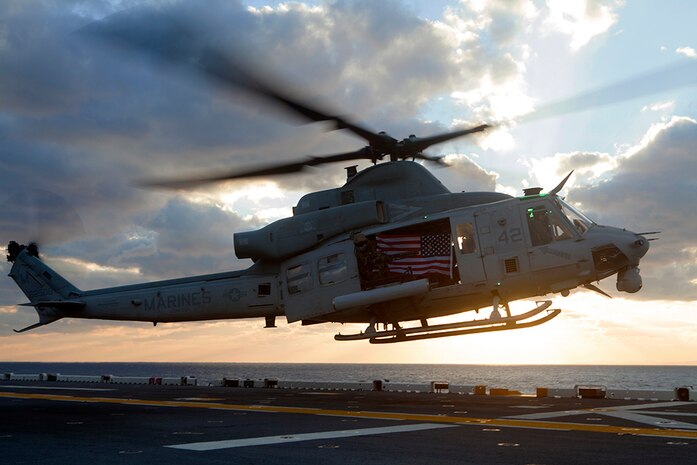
(516, 423)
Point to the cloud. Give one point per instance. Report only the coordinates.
(82, 123)
(686, 51)
(489, 37)
(643, 187)
(660, 106)
(582, 20)
(589, 166)
(652, 189)
(464, 174)
(181, 238)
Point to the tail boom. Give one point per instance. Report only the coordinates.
(229, 295)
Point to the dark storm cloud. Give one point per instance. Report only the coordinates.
(82, 125)
(39, 216)
(37, 78)
(180, 238)
(198, 237)
(82, 122)
(655, 190)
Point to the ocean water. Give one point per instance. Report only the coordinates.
(522, 377)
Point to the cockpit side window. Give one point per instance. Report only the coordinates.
(546, 226)
(579, 220)
(538, 224)
(560, 229)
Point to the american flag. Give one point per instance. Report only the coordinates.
(430, 253)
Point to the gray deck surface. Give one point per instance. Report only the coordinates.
(56, 423)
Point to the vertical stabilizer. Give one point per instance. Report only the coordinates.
(49, 293)
(37, 280)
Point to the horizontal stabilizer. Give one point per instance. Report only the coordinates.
(59, 304)
(51, 310)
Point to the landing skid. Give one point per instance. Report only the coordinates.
(523, 320)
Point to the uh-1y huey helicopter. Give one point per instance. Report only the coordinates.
(392, 245)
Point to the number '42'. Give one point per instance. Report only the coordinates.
(511, 235)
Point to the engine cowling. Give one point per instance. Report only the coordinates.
(294, 235)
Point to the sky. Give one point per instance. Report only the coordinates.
(80, 123)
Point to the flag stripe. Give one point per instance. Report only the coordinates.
(423, 254)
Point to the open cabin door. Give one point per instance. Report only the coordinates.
(408, 253)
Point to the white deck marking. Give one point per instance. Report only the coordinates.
(652, 420)
(653, 405)
(266, 440)
(678, 414)
(644, 413)
(546, 415)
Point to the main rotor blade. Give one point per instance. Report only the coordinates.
(437, 159)
(675, 76)
(264, 170)
(175, 41)
(422, 143)
(232, 71)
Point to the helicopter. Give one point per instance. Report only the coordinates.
(392, 248)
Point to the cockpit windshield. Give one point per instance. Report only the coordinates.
(580, 221)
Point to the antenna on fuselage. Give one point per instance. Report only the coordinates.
(560, 186)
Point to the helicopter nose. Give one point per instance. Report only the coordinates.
(628, 278)
(639, 246)
(620, 252)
